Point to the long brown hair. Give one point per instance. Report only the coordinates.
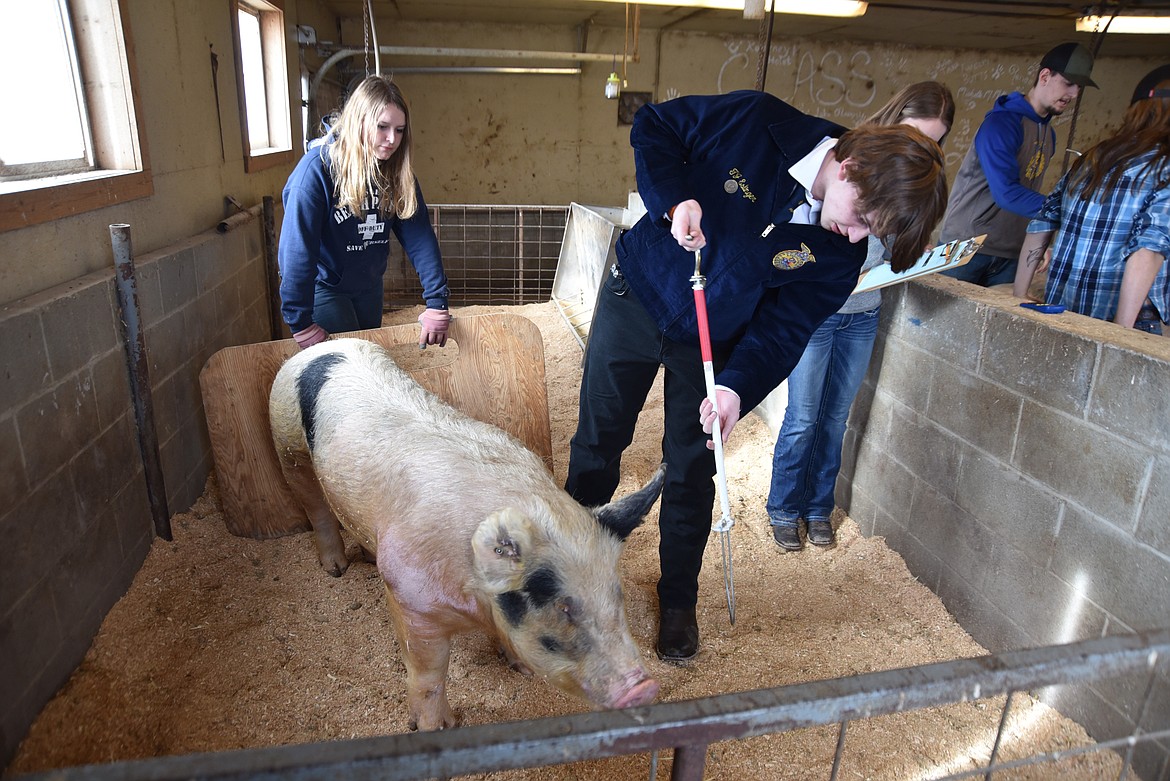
(1144, 128)
(924, 100)
(901, 180)
(353, 165)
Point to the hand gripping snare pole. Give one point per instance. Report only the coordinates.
(723, 527)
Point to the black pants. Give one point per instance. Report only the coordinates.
(622, 359)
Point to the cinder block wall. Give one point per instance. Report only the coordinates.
(1020, 464)
(75, 518)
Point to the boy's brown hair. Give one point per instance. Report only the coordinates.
(901, 181)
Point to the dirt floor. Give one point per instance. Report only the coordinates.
(224, 643)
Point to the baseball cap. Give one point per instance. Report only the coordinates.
(1147, 87)
(1072, 61)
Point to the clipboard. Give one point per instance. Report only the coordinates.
(952, 254)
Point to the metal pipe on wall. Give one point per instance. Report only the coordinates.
(134, 339)
(238, 219)
(442, 51)
(487, 69)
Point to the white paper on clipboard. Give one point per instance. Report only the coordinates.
(950, 255)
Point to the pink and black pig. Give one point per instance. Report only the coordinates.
(469, 531)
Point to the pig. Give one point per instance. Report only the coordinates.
(465, 524)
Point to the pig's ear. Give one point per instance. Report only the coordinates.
(499, 546)
(626, 514)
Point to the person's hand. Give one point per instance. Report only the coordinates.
(435, 323)
(728, 414)
(310, 336)
(685, 226)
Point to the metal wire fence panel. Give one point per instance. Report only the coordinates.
(689, 727)
(499, 255)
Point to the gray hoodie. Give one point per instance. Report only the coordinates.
(998, 187)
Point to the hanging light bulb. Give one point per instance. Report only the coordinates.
(613, 86)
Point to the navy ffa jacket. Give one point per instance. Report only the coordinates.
(768, 288)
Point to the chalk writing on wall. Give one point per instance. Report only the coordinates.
(847, 81)
(838, 81)
(833, 79)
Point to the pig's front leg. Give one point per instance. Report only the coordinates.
(426, 655)
(302, 481)
(511, 657)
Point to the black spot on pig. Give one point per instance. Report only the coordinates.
(309, 386)
(542, 586)
(551, 644)
(513, 605)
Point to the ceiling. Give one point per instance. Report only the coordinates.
(1029, 26)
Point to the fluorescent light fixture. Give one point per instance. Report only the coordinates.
(805, 7)
(1125, 24)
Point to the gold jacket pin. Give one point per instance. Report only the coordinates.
(791, 259)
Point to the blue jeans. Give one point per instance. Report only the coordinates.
(340, 312)
(1148, 319)
(820, 392)
(985, 270)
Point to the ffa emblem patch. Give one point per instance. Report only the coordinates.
(791, 259)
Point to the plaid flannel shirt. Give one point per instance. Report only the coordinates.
(1098, 232)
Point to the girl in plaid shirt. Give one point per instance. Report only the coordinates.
(1111, 213)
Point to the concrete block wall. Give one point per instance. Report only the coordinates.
(74, 511)
(1020, 464)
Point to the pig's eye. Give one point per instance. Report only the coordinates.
(507, 547)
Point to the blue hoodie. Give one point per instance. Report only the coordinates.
(998, 188)
(321, 242)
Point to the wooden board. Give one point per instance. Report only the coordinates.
(492, 369)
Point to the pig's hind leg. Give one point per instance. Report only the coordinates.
(302, 480)
(426, 656)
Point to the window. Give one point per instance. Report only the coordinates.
(63, 143)
(83, 148)
(262, 80)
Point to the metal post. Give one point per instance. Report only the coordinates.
(272, 270)
(134, 339)
(689, 761)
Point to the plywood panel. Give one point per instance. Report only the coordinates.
(492, 369)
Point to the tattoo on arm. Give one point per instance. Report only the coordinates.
(1035, 255)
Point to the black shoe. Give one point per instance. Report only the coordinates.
(678, 635)
(821, 533)
(787, 537)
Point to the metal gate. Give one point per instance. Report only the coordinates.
(690, 727)
(492, 255)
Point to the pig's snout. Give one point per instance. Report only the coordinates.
(641, 693)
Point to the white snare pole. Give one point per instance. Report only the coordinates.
(723, 527)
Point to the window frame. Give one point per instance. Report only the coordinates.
(275, 60)
(105, 53)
